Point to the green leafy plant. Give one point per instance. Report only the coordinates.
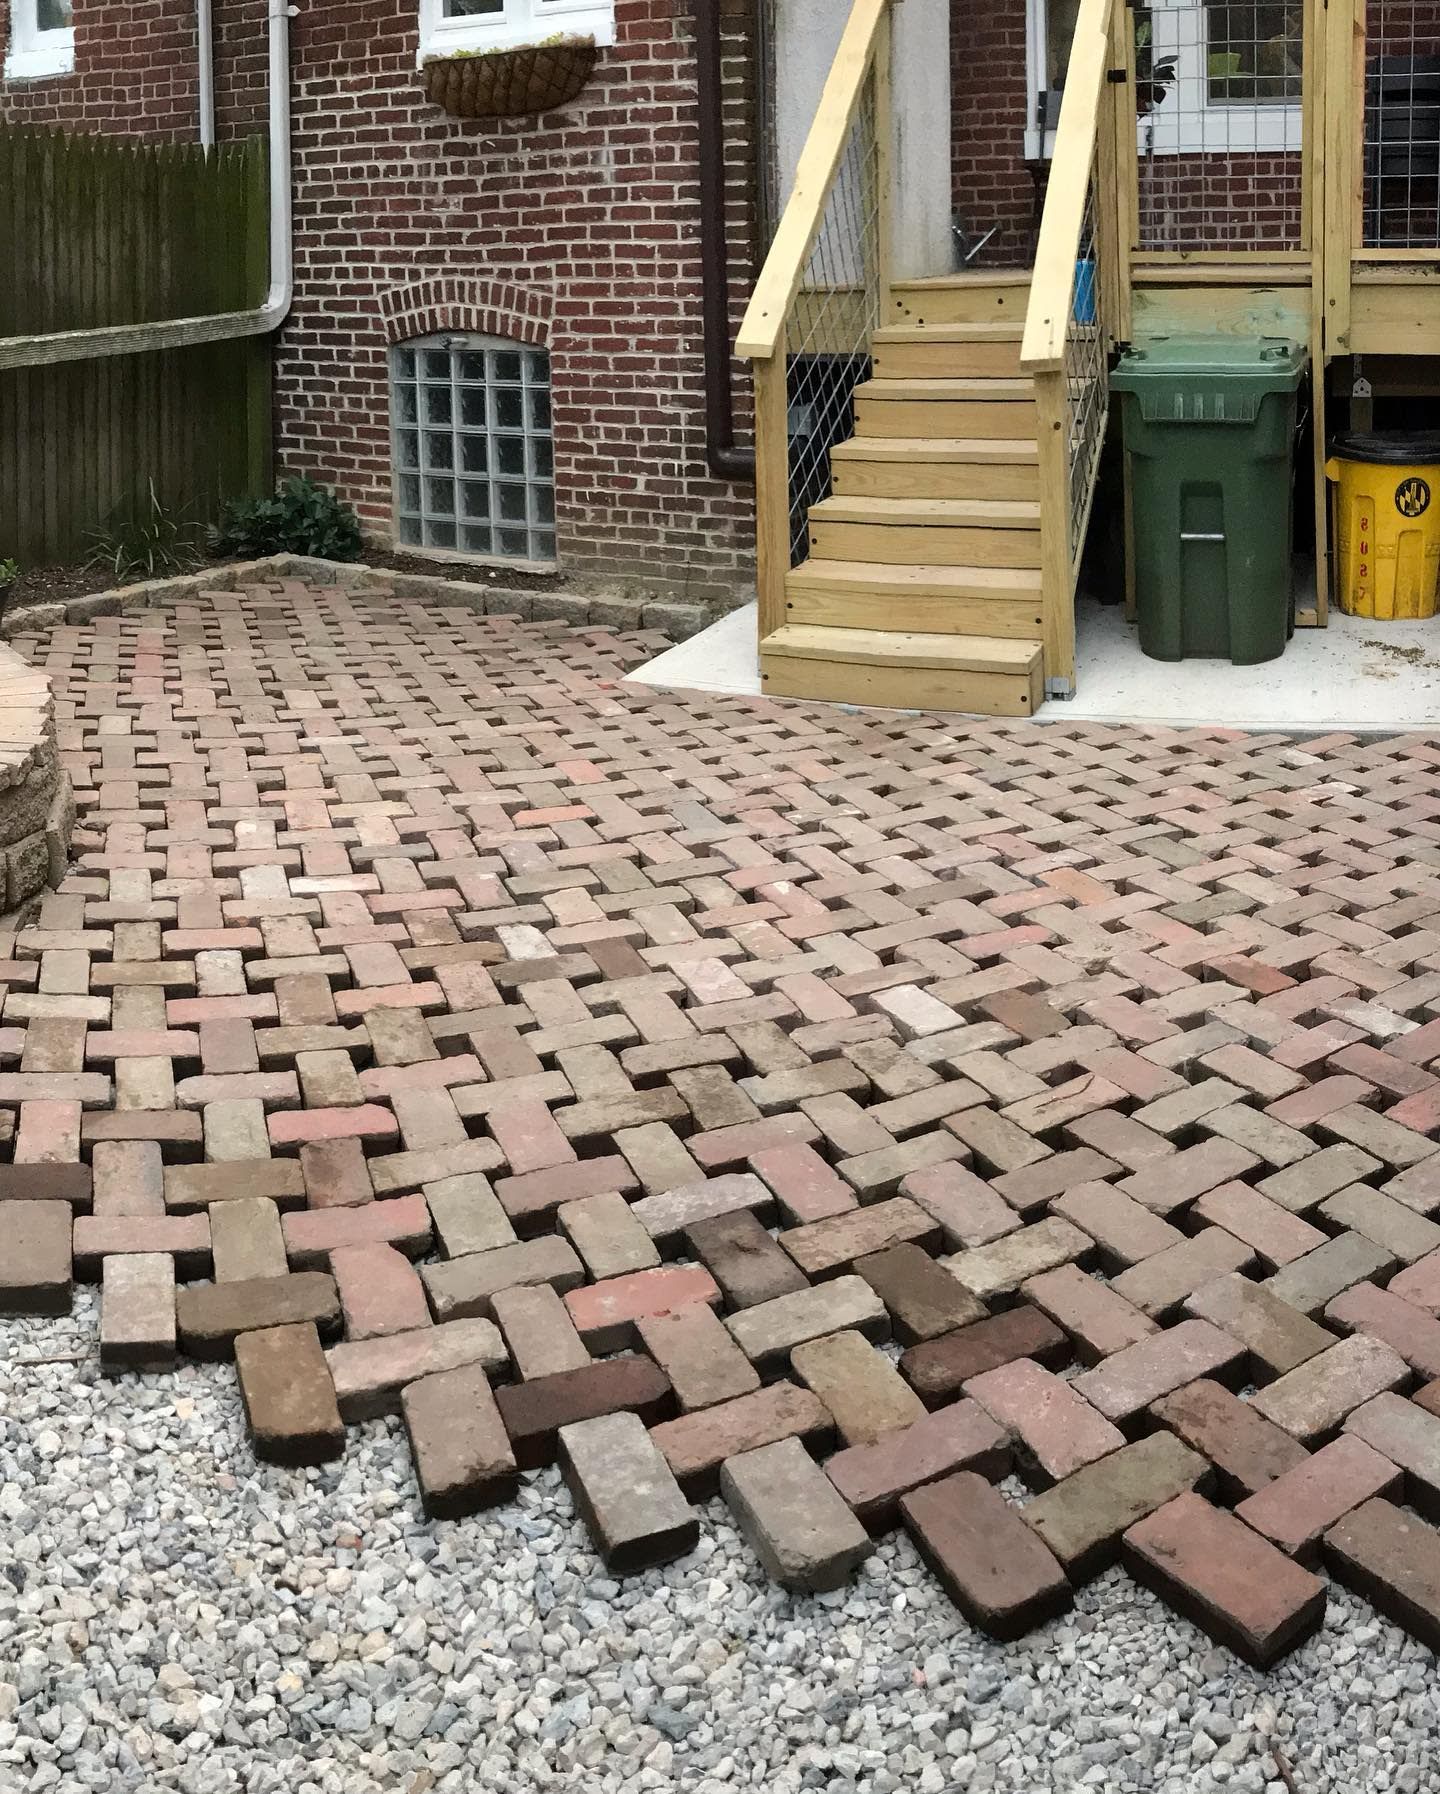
(542, 43)
(147, 544)
(1154, 76)
(9, 573)
(301, 518)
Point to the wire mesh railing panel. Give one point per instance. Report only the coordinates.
(1087, 377)
(1401, 208)
(1220, 132)
(833, 318)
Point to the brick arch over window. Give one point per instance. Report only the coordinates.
(471, 303)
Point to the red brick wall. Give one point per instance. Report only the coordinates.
(990, 103)
(134, 73)
(1220, 202)
(585, 220)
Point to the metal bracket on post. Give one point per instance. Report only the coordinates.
(1062, 689)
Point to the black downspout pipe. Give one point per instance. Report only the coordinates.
(727, 460)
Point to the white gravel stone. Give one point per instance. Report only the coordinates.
(175, 1616)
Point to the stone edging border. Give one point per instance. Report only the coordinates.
(676, 620)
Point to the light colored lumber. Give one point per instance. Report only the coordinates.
(1052, 289)
(814, 176)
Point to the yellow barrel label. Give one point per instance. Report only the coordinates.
(1412, 497)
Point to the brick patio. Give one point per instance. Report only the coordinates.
(842, 1112)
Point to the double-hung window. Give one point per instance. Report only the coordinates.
(448, 25)
(42, 39)
(1212, 76)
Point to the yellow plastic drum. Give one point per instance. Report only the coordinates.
(1387, 524)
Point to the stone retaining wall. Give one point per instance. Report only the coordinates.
(37, 808)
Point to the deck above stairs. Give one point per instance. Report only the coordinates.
(922, 587)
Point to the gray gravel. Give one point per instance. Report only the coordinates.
(173, 1616)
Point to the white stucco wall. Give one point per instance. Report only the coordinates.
(807, 33)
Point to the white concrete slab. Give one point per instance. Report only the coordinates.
(723, 658)
(1355, 675)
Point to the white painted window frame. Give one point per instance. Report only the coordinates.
(34, 54)
(1188, 121)
(520, 22)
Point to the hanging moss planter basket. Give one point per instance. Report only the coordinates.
(511, 83)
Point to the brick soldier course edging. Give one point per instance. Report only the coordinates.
(674, 618)
(841, 1114)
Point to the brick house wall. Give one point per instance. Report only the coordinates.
(578, 231)
(990, 100)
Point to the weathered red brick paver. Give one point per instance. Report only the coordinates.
(430, 977)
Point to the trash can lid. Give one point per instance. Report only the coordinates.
(1275, 361)
(1396, 448)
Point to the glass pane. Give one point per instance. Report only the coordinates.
(474, 455)
(544, 497)
(409, 492)
(404, 364)
(436, 364)
(542, 457)
(544, 546)
(512, 502)
(411, 530)
(515, 541)
(505, 366)
(472, 366)
(405, 404)
(437, 404)
(1255, 52)
(54, 15)
(440, 498)
(538, 368)
(472, 407)
(474, 498)
(439, 450)
(473, 9)
(1060, 16)
(477, 541)
(510, 456)
(540, 410)
(440, 535)
(407, 448)
(509, 414)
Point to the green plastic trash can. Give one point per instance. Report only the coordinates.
(1209, 425)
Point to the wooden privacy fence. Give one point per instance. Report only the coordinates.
(96, 232)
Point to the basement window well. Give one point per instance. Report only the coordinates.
(474, 464)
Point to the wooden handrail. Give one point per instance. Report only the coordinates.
(1052, 289)
(819, 164)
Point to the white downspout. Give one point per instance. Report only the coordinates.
(205, 70)
(219, 327)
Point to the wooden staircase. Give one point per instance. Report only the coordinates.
(922, 589)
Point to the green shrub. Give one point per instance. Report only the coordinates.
(301, 518)
(9, 573)
(148, 544)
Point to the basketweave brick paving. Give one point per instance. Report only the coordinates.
(844, 1113)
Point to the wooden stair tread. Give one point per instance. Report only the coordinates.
(904, 577)
(967, 277)
(961, 653)
(997, 388)
(1012, 332)
(995, 513)
(1014, 451)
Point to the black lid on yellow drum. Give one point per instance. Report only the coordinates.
(1395, 449)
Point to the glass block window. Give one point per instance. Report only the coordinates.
(474, 466)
